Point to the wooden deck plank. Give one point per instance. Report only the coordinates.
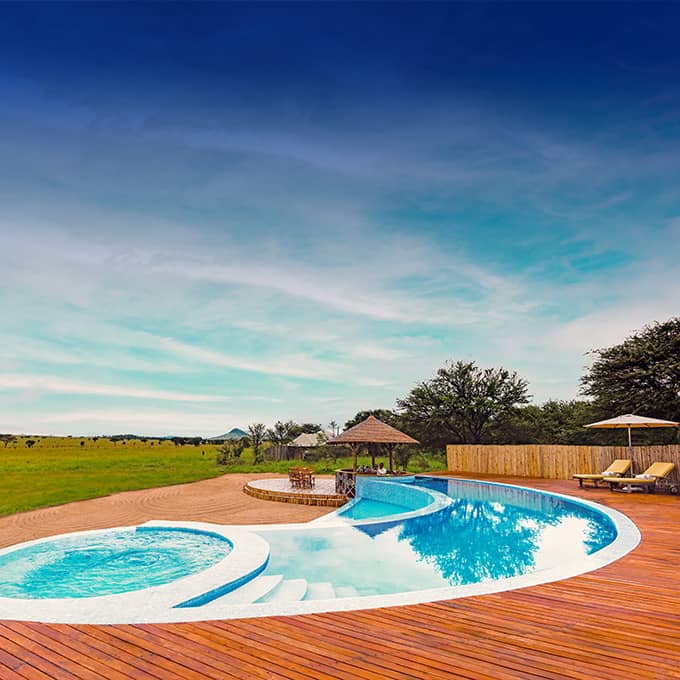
(282, 665)
(39, 657)
(352, 657)
(190, 658)
(380, 637)
(331, 657)
(622, 621)
(67, 647)
(471, 655)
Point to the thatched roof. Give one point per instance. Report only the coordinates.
(373, 431)
(310, 440)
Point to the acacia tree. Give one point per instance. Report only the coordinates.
(256, 435)
(640, 375)
(7, 439)
(462, 403)
(282, 432)
(296, 429)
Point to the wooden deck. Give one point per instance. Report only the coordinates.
(622, 621)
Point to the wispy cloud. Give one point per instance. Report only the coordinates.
(311, 258)
(39, 383)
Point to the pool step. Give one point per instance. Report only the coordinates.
(320, 591)
(288, 590)
(346, 591)
(251, 591)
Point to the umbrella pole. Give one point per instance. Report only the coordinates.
(630, 451)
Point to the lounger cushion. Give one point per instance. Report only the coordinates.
(631, 480)
(660, 469)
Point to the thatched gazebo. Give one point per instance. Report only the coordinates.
(372, 431)
(369, 431)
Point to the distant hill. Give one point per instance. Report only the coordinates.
(234, 433)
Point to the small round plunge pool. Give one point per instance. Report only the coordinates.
(107, 563)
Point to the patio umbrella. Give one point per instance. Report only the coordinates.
(629, 421)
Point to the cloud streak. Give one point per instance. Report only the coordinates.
(39, 383)
(309, 244)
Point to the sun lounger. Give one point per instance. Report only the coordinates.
(646, 480)
(619, 467)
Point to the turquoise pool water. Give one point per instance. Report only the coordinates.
(487, 532)
(107, 563)
(368, 508)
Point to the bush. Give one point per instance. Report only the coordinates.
(230, 452)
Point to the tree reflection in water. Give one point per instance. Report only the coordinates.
(477, 538)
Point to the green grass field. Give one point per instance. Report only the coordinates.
(59, 469)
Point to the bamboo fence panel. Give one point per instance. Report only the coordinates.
(551, 461)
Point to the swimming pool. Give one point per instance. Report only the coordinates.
(398, 542)
(108, 563)
(485, 533)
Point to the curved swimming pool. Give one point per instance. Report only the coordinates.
(485, 532)
(400, 542)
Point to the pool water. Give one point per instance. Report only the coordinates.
(487, 532)
(107, 563)
(368, 508)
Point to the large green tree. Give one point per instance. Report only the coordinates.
(641, 375)
(555, 422)
(462, 403)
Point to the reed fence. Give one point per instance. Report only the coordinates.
(551, 461)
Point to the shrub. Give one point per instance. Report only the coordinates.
(230, 452)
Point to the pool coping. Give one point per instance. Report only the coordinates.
(628, 537)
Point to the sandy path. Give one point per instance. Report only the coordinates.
(219, 500)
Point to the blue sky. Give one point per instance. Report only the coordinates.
(226, 213)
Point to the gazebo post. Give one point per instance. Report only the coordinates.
(355, 453)
(390, 448)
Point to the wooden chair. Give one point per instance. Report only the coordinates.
(307, 477)
(295, 478)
